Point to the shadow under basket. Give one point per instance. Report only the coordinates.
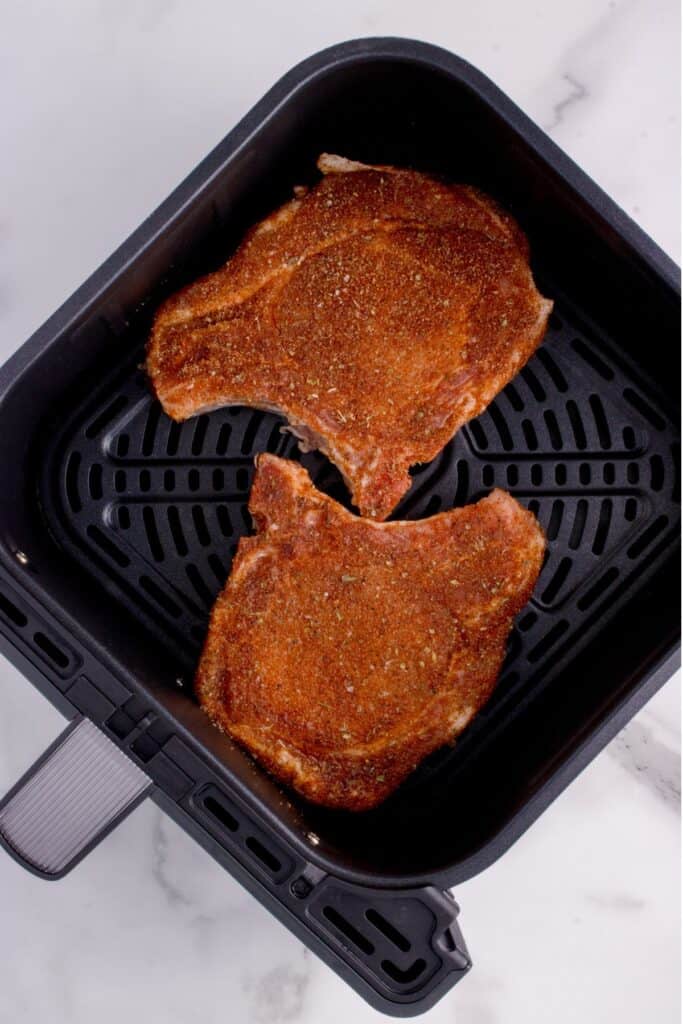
(118, 527)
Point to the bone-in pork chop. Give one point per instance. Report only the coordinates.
(377, 312)
(343, 651)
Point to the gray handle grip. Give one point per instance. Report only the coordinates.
(73, 795)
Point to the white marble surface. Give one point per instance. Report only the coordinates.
(106, 106)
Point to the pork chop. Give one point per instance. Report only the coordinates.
(378, 312)
(343, 651)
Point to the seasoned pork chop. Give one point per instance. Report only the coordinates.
(377, 312)
(343, 651)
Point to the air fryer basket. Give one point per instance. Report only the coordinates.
(118, 526)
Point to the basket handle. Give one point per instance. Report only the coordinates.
(70, 798)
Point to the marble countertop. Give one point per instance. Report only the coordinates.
(109, 106)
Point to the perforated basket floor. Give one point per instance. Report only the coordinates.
(154, 509)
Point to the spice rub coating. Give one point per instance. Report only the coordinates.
(343, 651)
(378, 312)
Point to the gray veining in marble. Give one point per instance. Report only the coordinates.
(575, 93)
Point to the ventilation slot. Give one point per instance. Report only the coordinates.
(161, 598)
(71, 482)
(221, 814)
(348, 930)
(95, 481)
(480, 439)
(506, 683)
(644, 408)
(387, 929)
(560, 474)
(527, 621)
(223, 439)
(217, 568)
(536, 474)
(608, 473)
(145, 480)
(250, 433)
(123, 517)
(246, 518)
(501, 426)
(122, 445)
(630, 510)
(201, 589)
(584, 474)
(656, 472)
(218, 479)
(604, 522)
(11, 611)
(108, 546)
(173, 439)
(533, 383)
(203, 535)
(548, 641)
(177, 531)
(529, 435)
(557, 581)
(553, 429)
(598, 588)
(268, 859)
(579, 525)
(275, 439)
(555, 521)
(576, 425)
(120, 481)
(633, 473)
(151, 425)
(433, 505)
(152, 534)
(629, 436)
(487, 476)
(552, 369)
(593, 359)
(600, 421)
(51, 650)
(646, 538)
(106, 416)
(462, 487)
(513, 397)
(224, 523)
(193, 479)
(169, 480)
(242, 479)
(199, 435)
(411, 973)
(514, 646)
(512, 476)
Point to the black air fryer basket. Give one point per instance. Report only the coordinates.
(117, 528)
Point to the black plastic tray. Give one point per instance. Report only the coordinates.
(117, 527)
